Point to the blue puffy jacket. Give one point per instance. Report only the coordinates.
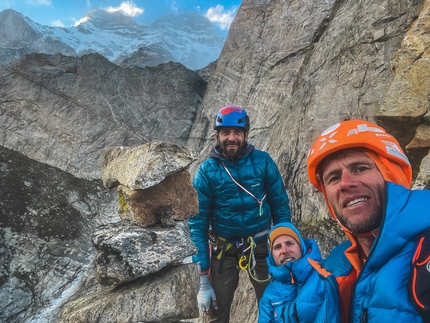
(297, 292)
(231, 211)
(380, 292)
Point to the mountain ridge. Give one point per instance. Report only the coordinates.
(186, 38)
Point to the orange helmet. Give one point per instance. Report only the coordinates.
(364, 134)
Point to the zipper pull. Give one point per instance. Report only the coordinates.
(363, 318)
(261, 208)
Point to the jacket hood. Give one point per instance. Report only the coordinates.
(291, 226)
(300, 269)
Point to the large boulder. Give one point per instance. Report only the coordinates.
(145, 165)
(167, 296)
(153, 182)
(127, 252)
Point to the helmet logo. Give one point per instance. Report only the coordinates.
(230, 109)
(330, 129)
(330, 140)
(397, 153)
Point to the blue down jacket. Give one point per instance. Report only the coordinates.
(296, 292)
(381, 288)
(231, 211)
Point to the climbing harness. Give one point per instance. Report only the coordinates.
(243, 245)
(260, 202)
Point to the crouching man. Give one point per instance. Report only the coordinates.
(296, 292)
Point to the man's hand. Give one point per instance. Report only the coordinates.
(206, 296)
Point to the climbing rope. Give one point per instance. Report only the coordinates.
(251, 269)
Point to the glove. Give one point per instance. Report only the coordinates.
(206, 295)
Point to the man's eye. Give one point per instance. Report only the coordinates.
(361, 169)
(331, 180)
(276, 247)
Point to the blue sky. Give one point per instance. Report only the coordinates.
(66, 13)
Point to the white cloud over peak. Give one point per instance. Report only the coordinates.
(220, 16)
(128, 8)
(57, 23)
(81, 21)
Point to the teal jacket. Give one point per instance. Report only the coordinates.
(228, 209)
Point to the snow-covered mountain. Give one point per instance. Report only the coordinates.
(187, 38)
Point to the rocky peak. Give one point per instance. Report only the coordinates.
(15, 31)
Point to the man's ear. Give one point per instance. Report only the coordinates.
(217, 136)
(246, 135)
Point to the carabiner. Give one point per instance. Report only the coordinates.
(241, 260)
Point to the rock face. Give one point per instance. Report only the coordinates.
(296, 66)
(404, 110)
(64, 111)
(47, 217)
(146, 300)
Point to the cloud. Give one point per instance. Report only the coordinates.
(174, 7)
(128, 8)
(57, 23)
(81, 21)
(218, 16)
(39, 2)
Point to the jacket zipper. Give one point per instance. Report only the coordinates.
(295, 313)
(363, 318)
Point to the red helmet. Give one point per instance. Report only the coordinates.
(364, 134)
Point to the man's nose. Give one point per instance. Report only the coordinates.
(347, 179)
(231, 136)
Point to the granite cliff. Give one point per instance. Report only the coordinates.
(296, 66)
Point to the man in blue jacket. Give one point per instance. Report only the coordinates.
(296, 292)
(241, 193)
(365, 178)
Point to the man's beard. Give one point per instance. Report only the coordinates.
(369, 224)
(232, 155)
